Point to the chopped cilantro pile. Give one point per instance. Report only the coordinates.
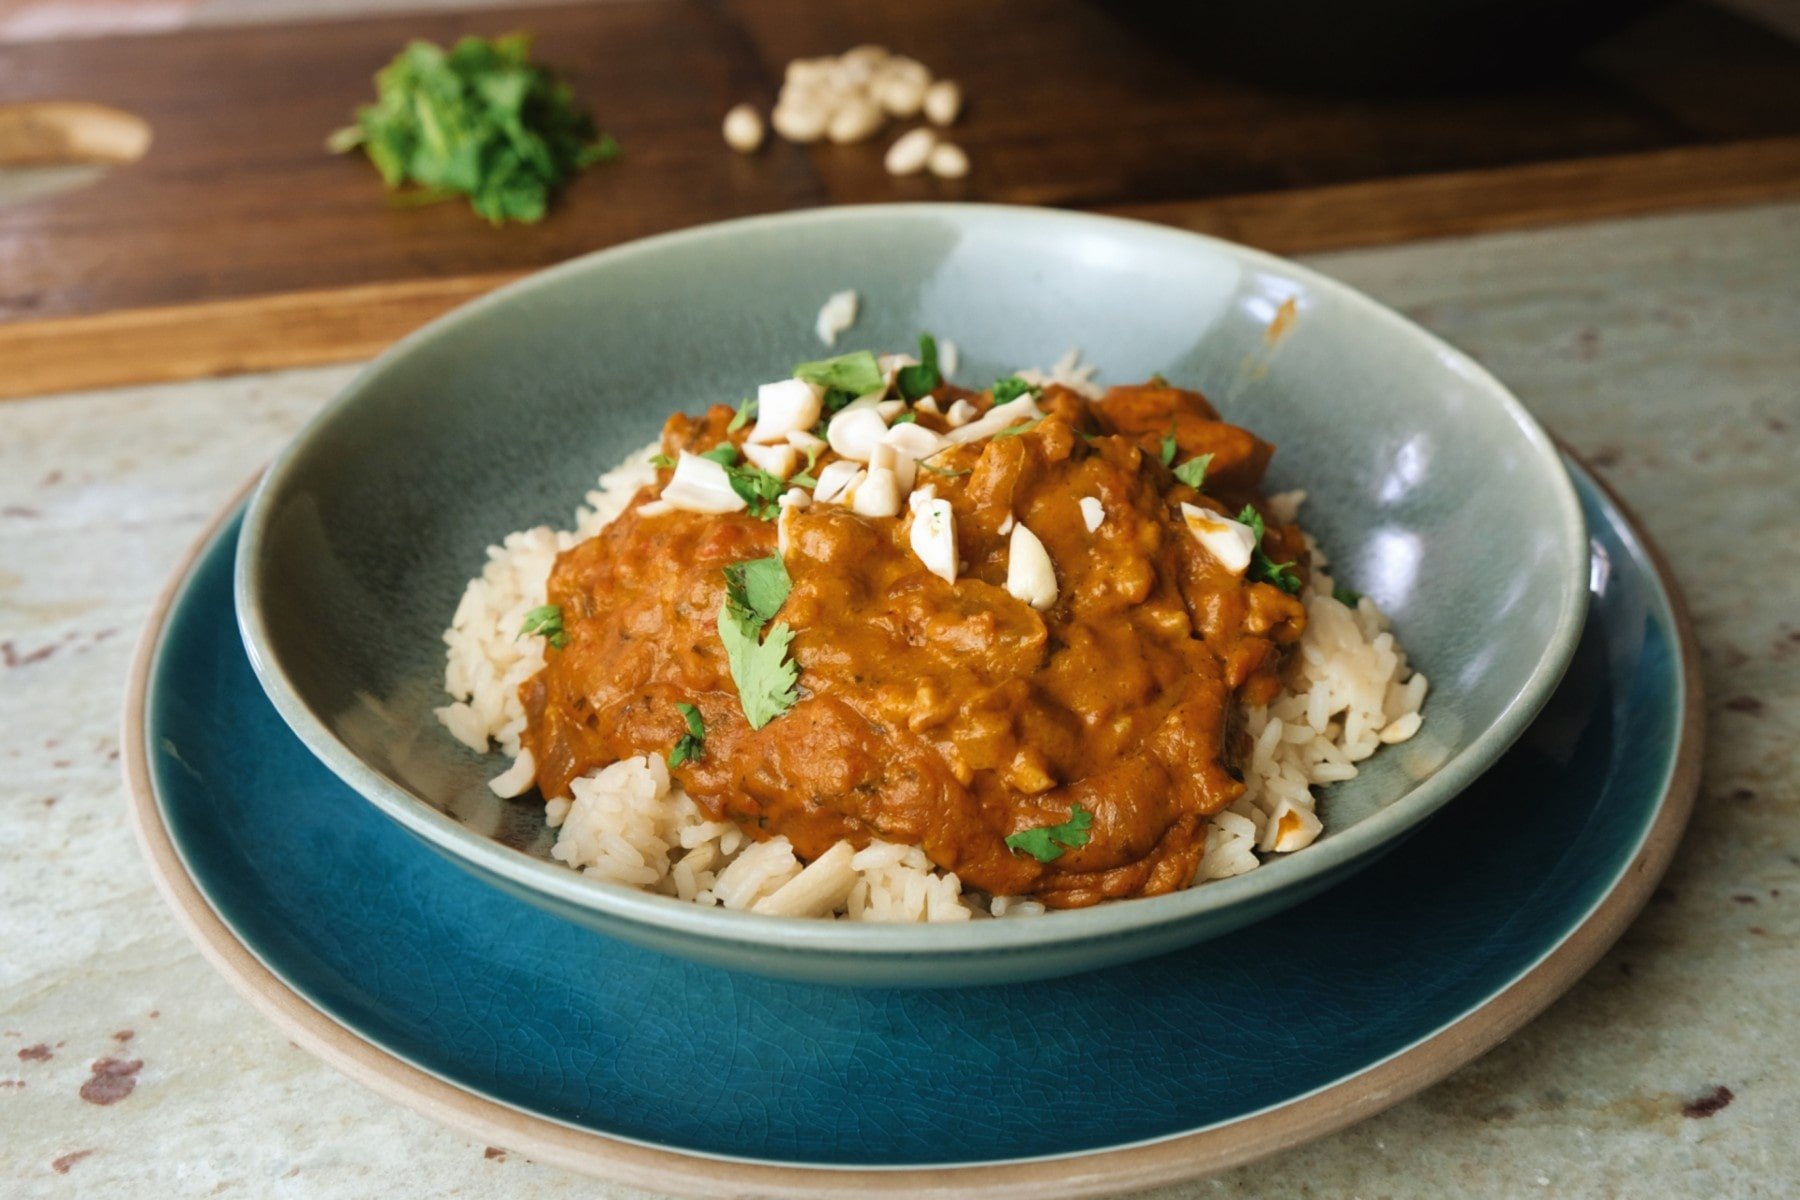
(764, 674)
(477, 120)
(1048, 843)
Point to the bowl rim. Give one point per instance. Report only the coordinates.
(563, 886)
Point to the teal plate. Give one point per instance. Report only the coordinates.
(540, 1034)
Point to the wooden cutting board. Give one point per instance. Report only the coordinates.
(236, 242)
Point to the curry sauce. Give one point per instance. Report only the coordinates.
(951, 715)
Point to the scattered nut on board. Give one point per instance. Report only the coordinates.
(943, 101)
(850, 98)
(744, 129)
(947, 161)
(910, 152)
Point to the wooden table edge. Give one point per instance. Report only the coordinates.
(1093, 1174)
(315, 328)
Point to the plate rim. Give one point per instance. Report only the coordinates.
(1093, 1173)
(883, 944)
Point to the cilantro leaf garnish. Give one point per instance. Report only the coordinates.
(725, 454)
(746, 409)
(1347, 596)
(835, 398)
(946, 472)
(1011, 388)
(1193, 471)
(661, 461)
(546, 621)
(1048, 843)
(1022, 427)
(1264, 569)
(906, 418)
(688, 746)
(856, 373)
(758, 587)
(1168, 448)
(764, 674)
(806, 478)
(918, 381)
(477, 120)
(760, 490)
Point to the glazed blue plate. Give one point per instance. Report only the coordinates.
(583, 1035)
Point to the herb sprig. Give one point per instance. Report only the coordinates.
(759, 489)
(1193, 471)
(766, 677)
(1047, 844)
(746, 412)
(1264, 569)
(546, 621)
(1011, 388)
(1019, 430)
(855, 374)
(919, 381)
(688, 746)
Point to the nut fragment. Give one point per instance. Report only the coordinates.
(744, 129)
(943, 101)
(778, 461)
(701, 485)
(783, 407)
(854, 433)
(933, 537)
(878, 495)
(947, 161)
(837, 480)
(1029, 574)
(799, 121)
(908, 154)
(855, 120)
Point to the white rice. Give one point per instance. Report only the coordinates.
(1350, 693)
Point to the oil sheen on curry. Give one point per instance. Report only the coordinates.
(1049, 713)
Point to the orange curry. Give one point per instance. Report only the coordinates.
(945, 715)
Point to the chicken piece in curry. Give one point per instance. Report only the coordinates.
(954, 715)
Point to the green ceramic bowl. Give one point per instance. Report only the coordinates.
(1431, 487)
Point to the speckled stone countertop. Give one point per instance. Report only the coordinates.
(1666, 350)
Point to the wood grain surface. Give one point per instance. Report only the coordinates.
(236, 242)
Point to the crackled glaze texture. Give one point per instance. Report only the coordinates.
(1662, 349)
